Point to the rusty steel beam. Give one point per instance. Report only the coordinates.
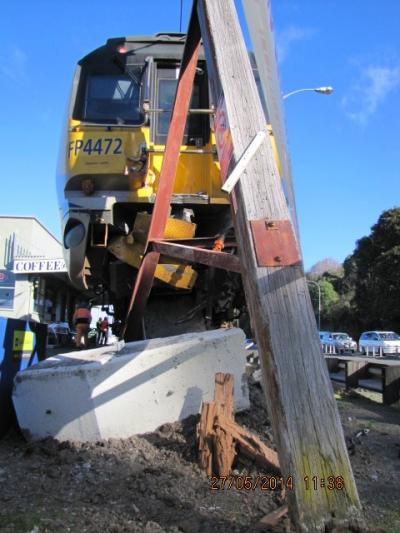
(201, 242)
(197, 255)
(144, 280)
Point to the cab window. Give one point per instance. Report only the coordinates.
(197, 126)
(111, 98)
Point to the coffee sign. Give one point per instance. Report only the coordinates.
(29, 266)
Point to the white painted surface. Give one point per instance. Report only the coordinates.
(244, 160)
(119, 391)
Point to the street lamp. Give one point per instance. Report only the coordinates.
(321, 90)
(319, 301)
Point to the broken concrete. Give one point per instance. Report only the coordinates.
(123, 390)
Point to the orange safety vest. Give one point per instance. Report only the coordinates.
(82, 313)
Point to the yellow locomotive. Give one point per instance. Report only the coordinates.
(110, 162)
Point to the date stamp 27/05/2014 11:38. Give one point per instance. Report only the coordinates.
(271, 483)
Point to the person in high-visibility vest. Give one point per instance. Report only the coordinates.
(82, 319)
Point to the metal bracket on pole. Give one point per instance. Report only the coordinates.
(275, 243)
(244, 160)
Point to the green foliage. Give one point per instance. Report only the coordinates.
(365, 294)
(377, 283)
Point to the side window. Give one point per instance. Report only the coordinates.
(375, 337)
(197, 126)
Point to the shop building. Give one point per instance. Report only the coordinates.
(34, 284)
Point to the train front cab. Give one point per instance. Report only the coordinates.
(117, 128)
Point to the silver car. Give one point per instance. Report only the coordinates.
(340, 342)
(380, 342)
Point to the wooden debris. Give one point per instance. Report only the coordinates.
(205, 435)
(250, 445)
(224, 448)
(270, 520)
(218, 434)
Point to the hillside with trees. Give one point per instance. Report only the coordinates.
(365, 293)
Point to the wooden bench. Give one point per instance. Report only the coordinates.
(379, 375)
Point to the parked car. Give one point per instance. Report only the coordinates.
(342, 342)
(323, 335)
(387, 341)
(59, 334)
(92, 337)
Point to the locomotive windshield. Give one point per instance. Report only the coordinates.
(113, 98)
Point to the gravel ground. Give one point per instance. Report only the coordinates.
(152, 482)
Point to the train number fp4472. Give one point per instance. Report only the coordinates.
(100, 146)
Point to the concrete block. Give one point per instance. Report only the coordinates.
(123, 390)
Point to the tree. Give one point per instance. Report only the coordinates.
(375, 265)
(329, 297)
(325, 265)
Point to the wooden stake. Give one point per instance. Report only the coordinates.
(224, 449)
(205, 435)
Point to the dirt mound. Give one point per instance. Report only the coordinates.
(152, 482)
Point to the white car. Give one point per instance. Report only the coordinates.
(388, 342)
(342, 342)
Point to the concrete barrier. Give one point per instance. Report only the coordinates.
(116, 392)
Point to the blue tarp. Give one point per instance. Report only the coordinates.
(22, 344)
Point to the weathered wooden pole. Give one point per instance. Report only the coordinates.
(301, 403)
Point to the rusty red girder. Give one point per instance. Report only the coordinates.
(197, 255)
(145, 276)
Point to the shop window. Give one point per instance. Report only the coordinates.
(7, 297)
(7, 289)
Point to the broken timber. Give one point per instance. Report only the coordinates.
(206, 437)
(223, 442)
(302, 407)
(218, 433)
(250, 445)
(270, 520)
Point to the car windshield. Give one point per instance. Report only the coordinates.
(389, 336)
(340, 336)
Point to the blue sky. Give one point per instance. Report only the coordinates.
(343, 147)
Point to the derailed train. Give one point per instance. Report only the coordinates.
(109, 167)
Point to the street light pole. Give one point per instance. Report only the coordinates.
(319, 301)
(320, 90)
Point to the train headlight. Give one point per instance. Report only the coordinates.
(121, 49)
(74, 234)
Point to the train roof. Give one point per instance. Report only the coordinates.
(157, 37)
(164, 45)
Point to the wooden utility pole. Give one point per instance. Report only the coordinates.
(301, 403)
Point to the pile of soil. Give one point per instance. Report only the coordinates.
(152, 482)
